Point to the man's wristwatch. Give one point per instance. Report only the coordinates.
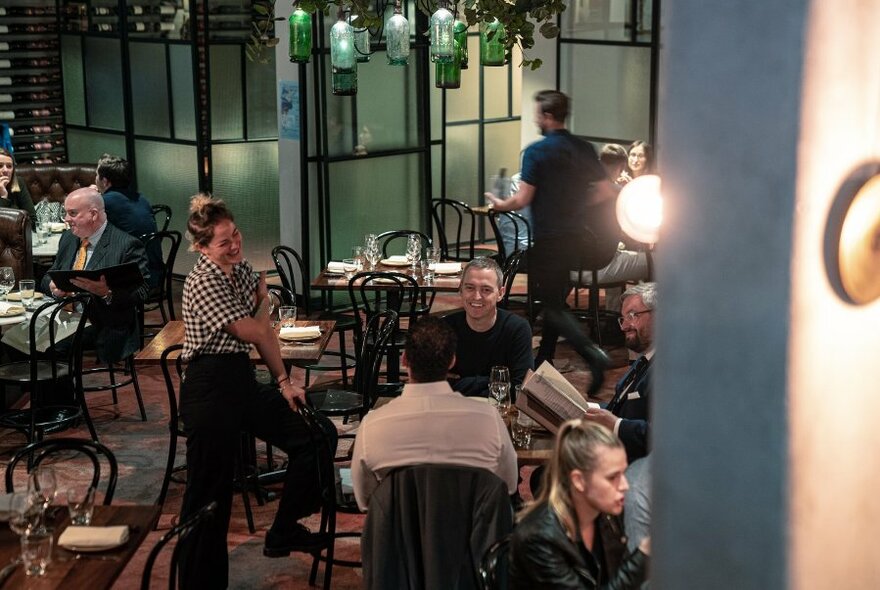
(108, 298)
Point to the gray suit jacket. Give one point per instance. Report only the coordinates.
(117, 324)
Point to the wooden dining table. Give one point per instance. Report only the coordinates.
(95, 571)
(337, 282)
(172, 333)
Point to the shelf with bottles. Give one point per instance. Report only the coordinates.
(145, 18)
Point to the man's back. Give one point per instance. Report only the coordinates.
(430, 423)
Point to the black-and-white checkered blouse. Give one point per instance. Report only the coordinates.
(211, 301)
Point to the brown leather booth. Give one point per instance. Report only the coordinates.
(54, 180)
(15, 242)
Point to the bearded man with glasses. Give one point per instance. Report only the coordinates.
(628, 411)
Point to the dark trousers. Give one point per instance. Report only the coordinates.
(219, 398)
(550, 263)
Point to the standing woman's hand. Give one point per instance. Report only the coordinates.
(263, 303)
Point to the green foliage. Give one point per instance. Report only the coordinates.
(517, 16)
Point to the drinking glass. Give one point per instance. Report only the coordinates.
(434, 254)
(26, 288)
(42, 485)
(81, 504)
(36, 552)
(287, 315)
(24, 513)
(427, 272)
(373, 255)
(7, 280)
(521, 431)
(499, 387)
(358, 254)
(349, 265)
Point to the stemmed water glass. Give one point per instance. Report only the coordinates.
(7, 280)
(24, 513)
(499, 387)
(371, 250)
(413, 251)
(42, 486)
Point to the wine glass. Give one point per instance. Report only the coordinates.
(499, 387)
(7, 280)
(372, 254)
(24, 513)
(413, 251)
(42, 486)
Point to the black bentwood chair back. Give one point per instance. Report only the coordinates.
(512, 233)
(290, 265)
(40, 451)
(183, 530)
(162, 216)
(456, 226)
(397, 238)
(493, 568)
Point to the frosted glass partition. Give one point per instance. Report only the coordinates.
(168, 174)
(182, 97)
(387, 105)
(253, 196)
(149, 89)
(463, 104)
(74, 91)
(104, 83)
(501, 143)
(495, 92)
(609, 87)
(227, 121)
(262, 117)
(88, 146)
(372, 196)
(462, 157)
(597, 19)
(340, 139)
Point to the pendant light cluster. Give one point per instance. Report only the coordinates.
(350, 45)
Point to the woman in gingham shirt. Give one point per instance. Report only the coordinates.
(225, 311)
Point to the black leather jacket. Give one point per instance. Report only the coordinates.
(542, 556)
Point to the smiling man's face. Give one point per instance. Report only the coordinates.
(480, 294)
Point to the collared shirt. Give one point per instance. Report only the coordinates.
(93, 240)
(430, 424)
(212, 301)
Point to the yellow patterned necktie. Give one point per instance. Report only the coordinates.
(80, 262)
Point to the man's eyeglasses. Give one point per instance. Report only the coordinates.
(631, 316)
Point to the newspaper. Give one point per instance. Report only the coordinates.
(550, 399)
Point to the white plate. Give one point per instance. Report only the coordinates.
(389, 262)
(16, 296)
(12, 311)
(448, 273)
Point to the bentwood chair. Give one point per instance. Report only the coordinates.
(161, 296)
(48, 369)
(290, 265)
(512, 234)
(493, 568)
(162, 215)
(42, 450)
(456, 226)
(510, 269)
(333, 501)
(172, 370)
(371, 347)
(181, 531)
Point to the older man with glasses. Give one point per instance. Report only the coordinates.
(627, 412)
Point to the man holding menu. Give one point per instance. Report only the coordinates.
(93, 244)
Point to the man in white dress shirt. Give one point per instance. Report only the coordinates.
(430, 423)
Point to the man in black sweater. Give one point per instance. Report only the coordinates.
(487, 336)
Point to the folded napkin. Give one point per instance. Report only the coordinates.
(93, 536)
(446, 268)
(396, 259)
(335, 267)
(303, 332)
(57, 227)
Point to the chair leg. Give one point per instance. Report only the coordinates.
(343, 360)
(137, 388)
(112, 372)
(245, 497)
(169, 467)
(84, 408)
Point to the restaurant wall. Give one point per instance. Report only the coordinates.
(834, 401)
(730, 87)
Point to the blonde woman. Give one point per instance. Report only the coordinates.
(571, 537)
